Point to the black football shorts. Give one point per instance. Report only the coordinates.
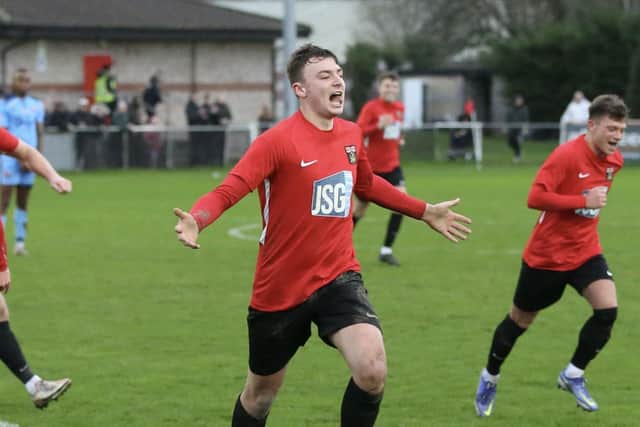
(274, 337)
(538, 289)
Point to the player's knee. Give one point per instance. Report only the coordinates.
(259, 402)
(606, 317)
(263, 403)
(522, 318)
(371, 375)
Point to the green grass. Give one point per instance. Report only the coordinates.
(154, 334)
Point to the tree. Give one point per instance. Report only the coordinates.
(599, 55)
(361, 68)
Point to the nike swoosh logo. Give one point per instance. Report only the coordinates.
(304, 164)
(487, 412)
(583, 175)
(372, 316)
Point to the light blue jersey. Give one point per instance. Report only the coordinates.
(21, 116)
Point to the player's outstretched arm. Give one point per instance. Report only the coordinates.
(186, 229)
(36, 162)
(442, 219)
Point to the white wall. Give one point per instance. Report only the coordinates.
(241, 72)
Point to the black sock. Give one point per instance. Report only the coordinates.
(504, 339)
(359, 408)
(594, 335)
(11, 354)
(355, 220)
(242, 419)
(392, 229)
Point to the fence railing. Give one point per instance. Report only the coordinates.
(151, 146)
(147, 146)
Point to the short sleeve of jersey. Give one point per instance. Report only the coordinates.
(553, 169)
(8, 142)
(260, 160)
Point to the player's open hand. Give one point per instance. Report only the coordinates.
(186, 229)
(5, 281)
(446, 222)
(60, 184)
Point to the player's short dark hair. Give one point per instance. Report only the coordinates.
(611, 106)
(391, 75)
(302, 56)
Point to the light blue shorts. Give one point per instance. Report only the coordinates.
(13, 174)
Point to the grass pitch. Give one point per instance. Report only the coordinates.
(153, 334)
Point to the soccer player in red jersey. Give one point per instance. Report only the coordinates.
(306, 169)
(570, 189)
(41, 391)
(381, 122)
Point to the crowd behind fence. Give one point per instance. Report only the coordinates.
(156, 146)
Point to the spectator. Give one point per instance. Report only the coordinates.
(196, 116)
(517, 120)
(85, 124)
(223, 110)
(135, 111)
(219, 116)
(470, 109)
(265, 119)
(58, 117)
(105, 88)
(152, 96)
(154, 142)
(116, 137)
(461, 141)
(577, 112)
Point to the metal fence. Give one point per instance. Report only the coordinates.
(177, 147)
(147, 146)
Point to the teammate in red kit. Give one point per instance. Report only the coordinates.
(564, 248)
(381, 122)
(41, 391)
(306, 169)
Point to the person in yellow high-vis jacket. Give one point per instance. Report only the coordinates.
(105, 88)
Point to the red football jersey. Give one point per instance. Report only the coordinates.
(8, 144)
(383, 144)
(566, 234)
(305, 178)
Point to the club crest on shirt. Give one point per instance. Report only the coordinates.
(609, 173)
(351, 153)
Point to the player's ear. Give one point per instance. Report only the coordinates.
(299, 90)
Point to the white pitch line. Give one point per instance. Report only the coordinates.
(239, 232)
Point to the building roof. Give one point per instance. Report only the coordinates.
(134, 19)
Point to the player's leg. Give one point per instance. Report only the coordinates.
(254, 403)
(594, 282)
(41, 391)
(21, 218)
(274, 338)
(536, 290)
(362, 347)
(395, 178)
(359, 209)
(10, 351)
(346, 320)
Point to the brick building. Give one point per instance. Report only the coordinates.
(196, 46)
